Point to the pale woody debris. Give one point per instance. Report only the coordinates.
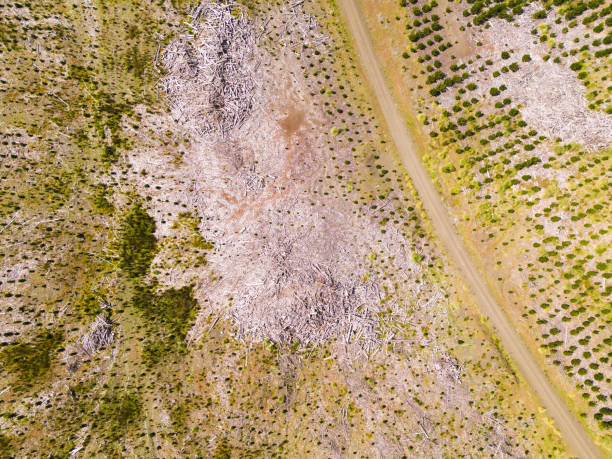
(100, 335)
(212, 78)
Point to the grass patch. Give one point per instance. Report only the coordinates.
(138, 243)
(117, 412)
(170, 314)
(30, 361)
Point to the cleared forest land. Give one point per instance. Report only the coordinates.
(509, 107)
(572, 431)
(210, 248)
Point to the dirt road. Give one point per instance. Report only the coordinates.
(572, 431)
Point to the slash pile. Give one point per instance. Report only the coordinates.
(212, 70)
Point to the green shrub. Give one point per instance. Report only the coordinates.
(437, 75)
(137, 244)
(541, 14)
(574, 10)
(418, 34)
(576, 66)
(603, 52)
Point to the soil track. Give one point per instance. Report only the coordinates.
(571, 429)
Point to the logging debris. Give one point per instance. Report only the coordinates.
(212, 70)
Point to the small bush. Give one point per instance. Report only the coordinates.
(575, 66)
(603, 52)
(540, 14)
